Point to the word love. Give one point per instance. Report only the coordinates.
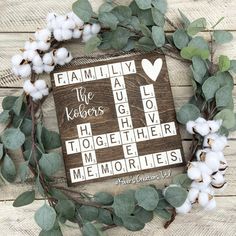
(82, 111)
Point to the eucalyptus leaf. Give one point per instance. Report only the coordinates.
(199, 66)
(143, 215)
(105, 7)
(92, 44)
(224, 63)
(120, 38)
(45, 217)
(8, 102)
(50, 163)
(158, 36)
(89, 213)
(163, 213)
(39, 186)
(122, 13)
(190, 52)
(104, 216)
(8, 169)
(228, 118)
(210, 87)
(146, 44)
(83, 9)
(132, 223)
(18, 105)
(224, 78)
(90, 230)
(158, 17)
(147, 197)
(145, 30)
(66, 208)
(103, 198)
(108, 19)
(130, 45)
(4, 116)
(13, 138)
(161, 5)
(196, 26)
(223, 96)
(233, 65)
(184, 19)
(182, 180)
(23, 171)
(199, 42)
(221, 36)
(145, 17)
(162, 204)
(175, 195)
(52, 232)
(24, 199)
(180, 38)
(144, 4)
(188, 112)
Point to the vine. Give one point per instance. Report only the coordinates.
(208, 116)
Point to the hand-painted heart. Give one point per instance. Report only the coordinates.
(152, 70)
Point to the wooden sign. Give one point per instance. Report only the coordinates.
(116, 117)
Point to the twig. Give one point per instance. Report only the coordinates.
(167, 224)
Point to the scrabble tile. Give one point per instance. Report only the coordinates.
(105, 169)
(115, 69)
(128, 67)
(114, 139)
(155, 131)
(152, 118)
(133, 164)
(160, 159)
(89, 158)
(168, 129)
(84, 130)
(130, 150)
(91, 172)
(149, 104)
(77, 174)
(61, 79)
(120, 96)
(127, 136)
(119, 166)
(102, 72)
(100, 141)
(147, 91)
(174, 157)
(122, 109)
(88, 74)
(125, 123)
(72, 146)
(118, 83)
(74, 76)
(146, 161)
(86, 144)
(141, 134)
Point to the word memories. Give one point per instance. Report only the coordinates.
(116, 117)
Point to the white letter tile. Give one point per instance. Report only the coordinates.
(147, 162)
(77, 174)
(84, 130)
(125, 123)
(91, 172)
(122, 109)
(128, 67)
(133, 164)
(72, 146)
(141, 134)
(120, 96)
(86, 144)
(119, 166)
(149, 105)
(74, 76)
(127, 136)
(113, 139)
(174, 157)
(89, 158)
(88, 74)
(130, 150)
(160, 159)
(115, 69)
(61, 79)
(168, 129)
(105, 169)
(152, 118)
(100, 141)
(102, 72)
(155, 132)
(118, 83)
(147, 91)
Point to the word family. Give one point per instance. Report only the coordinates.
(114, 119)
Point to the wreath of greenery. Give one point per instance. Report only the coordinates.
(138, 26)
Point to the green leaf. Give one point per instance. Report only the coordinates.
(233, 65)
(224, 78)
(8, 102)
(39, 186)
(223, 96)
(145, 17)
(198, 42)
(158, 17)
(122, 13)
(108, 20)
(145, 30)
(25, 127)
(188, 112)
(199, 67)
(162, 204)
(52, 232)
(175, 195)
(4, 116)
(104, 216)
(158, 36)
(117, 220)
(13, 138)
(182, 180)
(45, 217)
(196, 26)
(163, 213)
(24, 199)
(135, 23)
(161, 5)
(210, 87)
(8, 169)
(190, 52)
(66, 208)
(83, 9)
(23, 171)
(224, 63)
(18, 105)
(228, 118)
(132, 223)
(143, 215)
(221, 36)
(124, 204)
(1, 150)
(184, 19)
(147, 198)
(58, 194)
(120, 38)
(89, 213)
(146, 44)
(106, 40)
(180, 38)
(92, 44)
(144, 4)
(105, 7)
(90, 230)
(50, 163)
(103, 198)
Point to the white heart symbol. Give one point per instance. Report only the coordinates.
(152, 70)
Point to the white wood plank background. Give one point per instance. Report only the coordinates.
(18, 19)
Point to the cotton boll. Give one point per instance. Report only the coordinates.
(76, 19)
(33, 46)
(212, 161)
(40, 84)
(219, 144)
(38, 69)
(60, 20)
(45, 91)
(43, 35)
(27, 45)
(68, 24)
(86, 38)
(77, 33)
(203, 198)
(194, 173)
(193, 194)
(87, 30)
(28, 87)
(201, 128)
(218, 179)
(48, 68)
(37, 61)
(43, 46)
(67, 34)
(51, 16)
(36, 95)
(206, 179)
(199, 185)
(29, 55)
(204, 168)
(211, 205)
(25, 70)
(201, 155)
(95, 28)
(16, 60)
(189, 126)
(200, 120)
(69, 58)
(15, 70)
(48, 58)
(185, 208)
(61, 54)
(223, 166)
(214, 125)
(209, 139)
(61, 63)
(57, 33)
